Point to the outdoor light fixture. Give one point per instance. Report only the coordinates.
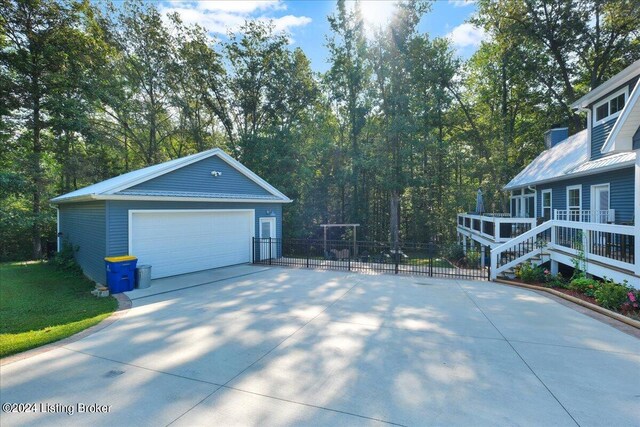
(216, 173)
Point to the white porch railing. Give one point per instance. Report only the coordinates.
(495, 227)
(610, 244)
(599, 216)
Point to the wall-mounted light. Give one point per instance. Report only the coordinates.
(215, 173)
(270, 212)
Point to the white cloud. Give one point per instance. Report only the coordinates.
(223, 16)
(461, 3)
(467, 34)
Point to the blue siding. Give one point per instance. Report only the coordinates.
(197, 178)
(118, 214)
(636, 139)
(599, 135)
(84, 225)
(620, 187)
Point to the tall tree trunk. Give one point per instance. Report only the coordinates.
(36, 230)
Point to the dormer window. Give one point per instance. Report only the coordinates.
(610, 107)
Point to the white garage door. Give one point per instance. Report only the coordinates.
(177, 242)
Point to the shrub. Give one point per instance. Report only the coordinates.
(65, 258)
(585, 285)
(554, 281)
(531, 274)
(611, 295)
(454, 252)
(472, 258)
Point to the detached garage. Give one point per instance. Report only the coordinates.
(190, 214)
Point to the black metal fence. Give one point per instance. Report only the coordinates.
(432, 259)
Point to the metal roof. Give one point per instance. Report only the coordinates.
(114, 186)
(553, 163)
(568, 159)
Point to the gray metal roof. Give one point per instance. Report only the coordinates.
(569, 158)
(553, 163)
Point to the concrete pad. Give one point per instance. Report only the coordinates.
(598, 388)
(228, 407)
(167, 284)
(404, 377)
(209, 347)
(428, 305)
(523, 315)
(296, 346)
(135, 396)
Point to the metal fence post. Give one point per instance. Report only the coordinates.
(396, 258)
(349, 262)
(269, 250)
(253, 250)
(308, 251)
(430, 260)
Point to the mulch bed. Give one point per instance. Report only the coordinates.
(629, 312)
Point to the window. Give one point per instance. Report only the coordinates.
(523, 203)
(610, 107)
(616, 104)
(574, 203)
(546, 204)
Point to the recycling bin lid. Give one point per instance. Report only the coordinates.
(120, 258)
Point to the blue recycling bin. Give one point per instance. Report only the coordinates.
(121, 273)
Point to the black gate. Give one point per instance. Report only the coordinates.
(431, 259)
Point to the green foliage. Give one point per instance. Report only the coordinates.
(472, 258)
(41, 304)
(91, 91)
(531, 274)
(585, 285)
(65, 258)
(454, 252)
(611, 295)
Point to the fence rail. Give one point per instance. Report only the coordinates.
(432, 259)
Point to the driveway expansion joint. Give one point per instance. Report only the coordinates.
(518, 354)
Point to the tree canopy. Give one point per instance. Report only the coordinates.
(397, 135)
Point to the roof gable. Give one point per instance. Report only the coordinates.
(621, 135)
(134, 183)
(199, 177)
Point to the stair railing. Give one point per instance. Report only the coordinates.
(521, 248)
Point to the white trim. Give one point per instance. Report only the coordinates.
(593, 193)
(626, 111)
(58, 237)
(271, 219)
(215, 152)
(151, 211)
(573, 187)
(90, 197)
(625, 91)
(615, 81)
(542, 206)
(180, 163)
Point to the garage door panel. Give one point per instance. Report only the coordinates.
(181, 242)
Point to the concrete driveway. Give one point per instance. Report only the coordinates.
(262, 346)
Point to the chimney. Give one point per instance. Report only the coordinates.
(555, 135)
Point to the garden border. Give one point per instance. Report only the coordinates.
(593, 307)
(124, 304)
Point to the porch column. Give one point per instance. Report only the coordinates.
(636, 212)
(464, 244)
(554, 267)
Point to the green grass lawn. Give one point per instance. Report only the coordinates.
(40, 304)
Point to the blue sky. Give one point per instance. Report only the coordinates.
(306, 20)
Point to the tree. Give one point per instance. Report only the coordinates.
(39, 41)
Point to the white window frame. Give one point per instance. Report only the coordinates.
(594, 208)
(542, 206)
(608, 99)
(579, 188)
